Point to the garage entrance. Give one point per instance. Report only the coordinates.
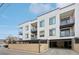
(67, 44)
(60, 44)
(53, 44)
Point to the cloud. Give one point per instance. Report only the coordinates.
(40, 8)
(60, 5)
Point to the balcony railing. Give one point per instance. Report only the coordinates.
(34, 38)
(33, 30)
(67, 34)
(20, 33)
(67, 22)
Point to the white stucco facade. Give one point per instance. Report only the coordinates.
(68, 11)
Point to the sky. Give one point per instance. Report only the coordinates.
(11, 15)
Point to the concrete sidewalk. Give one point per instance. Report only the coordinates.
(53, 51)
(57, 51)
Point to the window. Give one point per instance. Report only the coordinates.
(52, 32)
(65, 21)
(27, 28)
(42, 23)
(52, 20)
(21, 27)
(42, 33)
(68, 32)
(64, 33)
(32, 35)
(27, 36)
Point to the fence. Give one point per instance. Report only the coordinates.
(36, 46)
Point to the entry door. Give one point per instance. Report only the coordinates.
(67, 44)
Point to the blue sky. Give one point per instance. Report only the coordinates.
(11, 15)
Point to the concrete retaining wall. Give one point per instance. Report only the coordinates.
(76, 47)
(29, 47)
(43, 47)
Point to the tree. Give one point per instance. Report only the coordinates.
(11, 39)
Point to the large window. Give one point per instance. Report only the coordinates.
(65, 21)
(65, 33)
(42, 23)
(52, 20)
(62, 33)
(27, 35)
(52, 32)
(42, 33)
(27, 28)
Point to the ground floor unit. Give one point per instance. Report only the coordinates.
(39, 46)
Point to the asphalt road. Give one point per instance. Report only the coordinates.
(54, 51)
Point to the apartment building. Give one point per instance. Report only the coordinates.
(60, 27)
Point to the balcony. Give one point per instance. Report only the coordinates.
(67, 23)
(33, 30)
(20, 33)
(66, 34)
(33, 37)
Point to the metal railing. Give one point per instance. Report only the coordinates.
(33, 30)
(66, 22)
(20, 33)
(67, 34)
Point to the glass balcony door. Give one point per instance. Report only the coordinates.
(65, 33)
(67, 20)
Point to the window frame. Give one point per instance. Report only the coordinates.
(42, 23)
(52, 32)
(66, 33)
(27, 35)
(43, 34)
(27, 28)
(52, 20)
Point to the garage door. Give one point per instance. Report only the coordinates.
(60, 44)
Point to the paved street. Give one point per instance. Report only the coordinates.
(58, 51)
(54, 51)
